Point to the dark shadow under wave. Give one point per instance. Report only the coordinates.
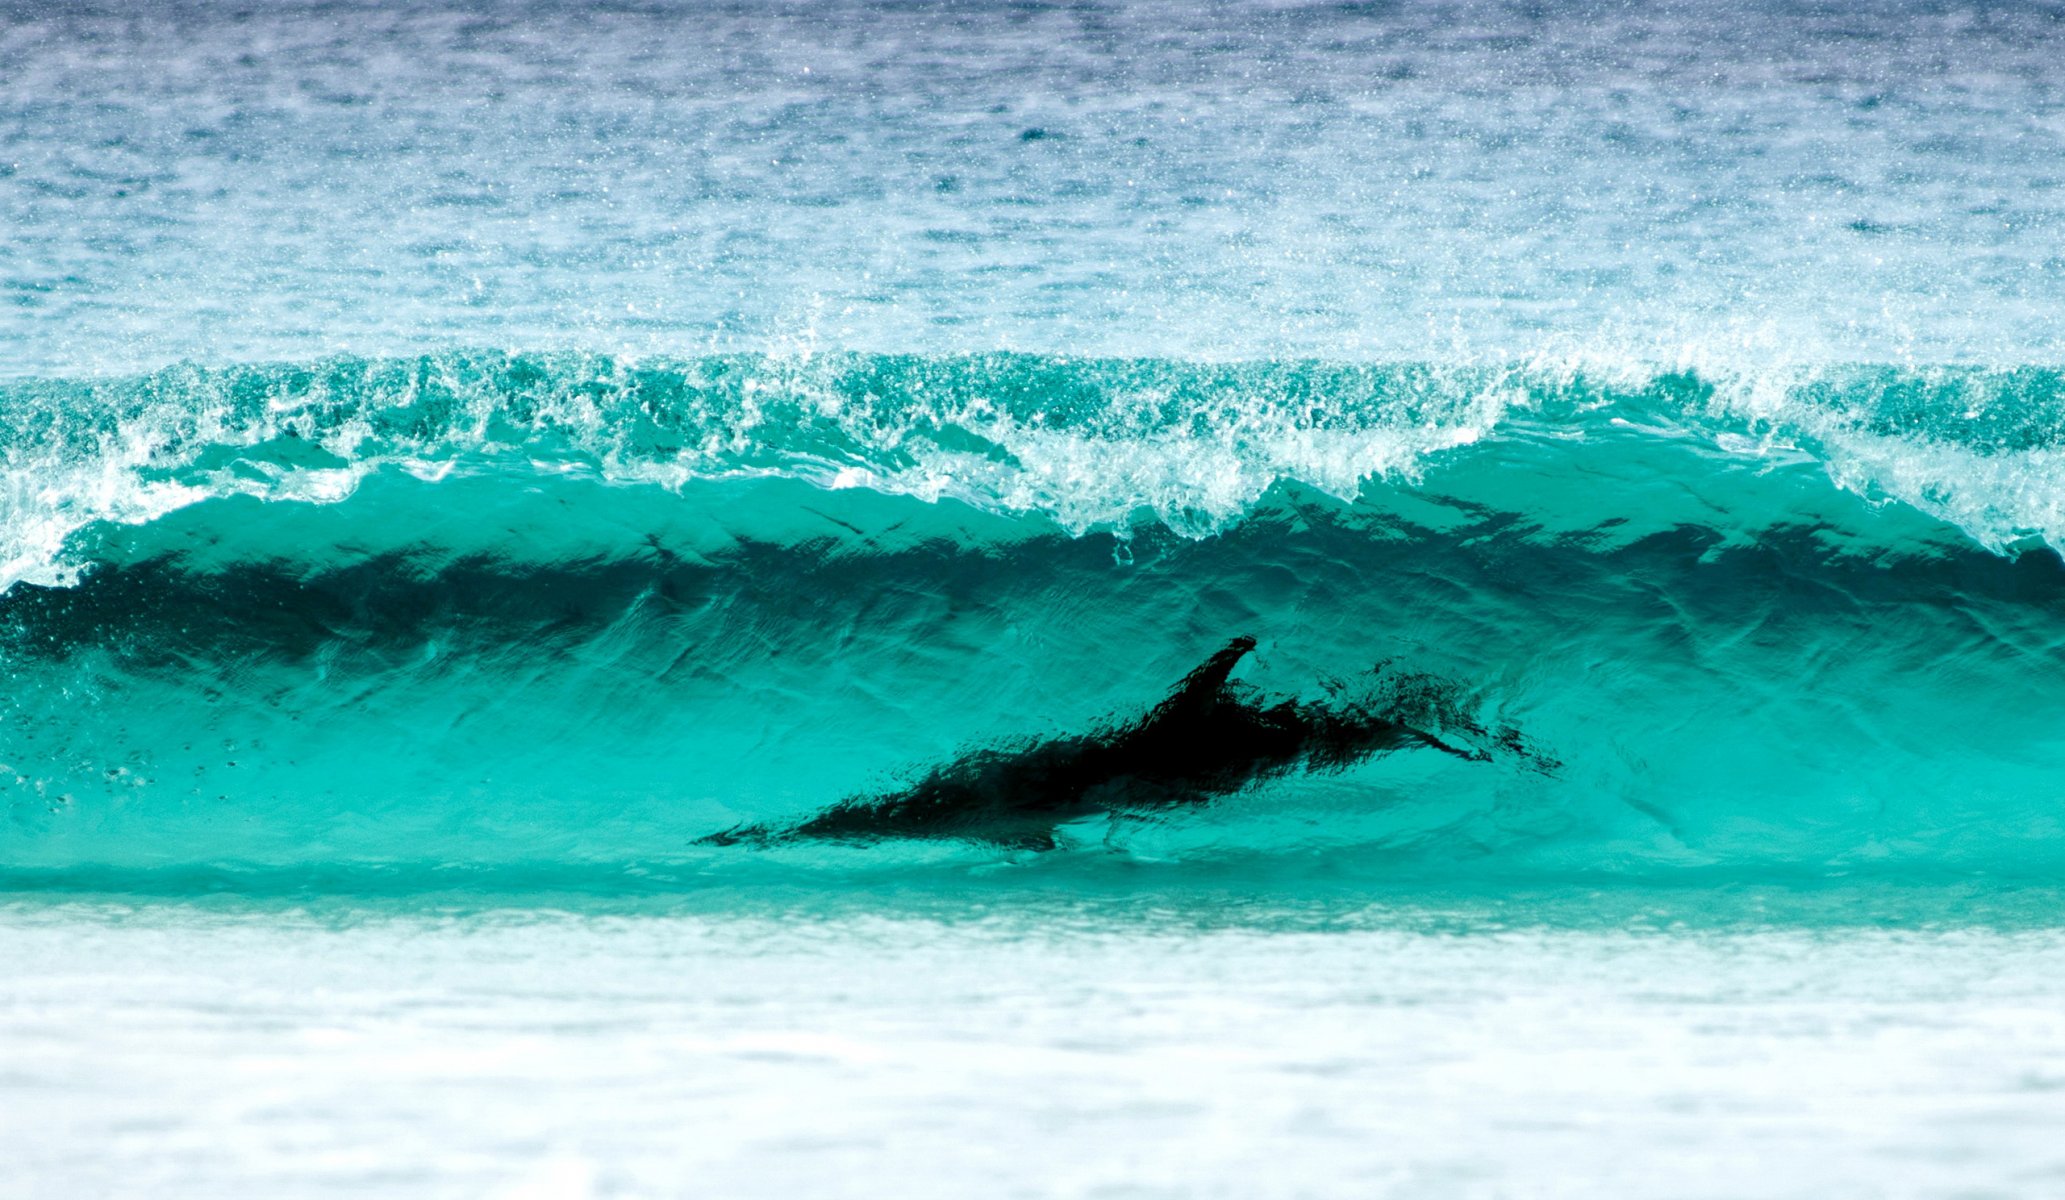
(160, 604)
(302, 687)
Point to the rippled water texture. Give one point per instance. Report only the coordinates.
(1862, 181)
(541, 618)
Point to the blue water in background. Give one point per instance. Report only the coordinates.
(200, 181)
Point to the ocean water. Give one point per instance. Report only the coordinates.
(457, 461)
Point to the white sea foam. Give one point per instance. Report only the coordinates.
(191, 1054)
(1089, 444)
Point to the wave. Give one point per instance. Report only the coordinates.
(1087, 444)
(567, 617)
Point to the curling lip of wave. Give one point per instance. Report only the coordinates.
(1089, 443)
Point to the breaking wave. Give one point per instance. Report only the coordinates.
(563, 613)
(1089, 444)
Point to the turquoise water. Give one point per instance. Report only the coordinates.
(457, 459)
(558, 617)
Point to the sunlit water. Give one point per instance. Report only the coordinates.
(183, 1052)
(454, 459)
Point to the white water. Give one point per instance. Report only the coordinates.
(184, 1052)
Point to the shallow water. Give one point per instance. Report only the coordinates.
(1042, 1050)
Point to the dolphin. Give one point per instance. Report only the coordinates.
(1210, 738)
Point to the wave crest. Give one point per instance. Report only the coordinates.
(1090, 444)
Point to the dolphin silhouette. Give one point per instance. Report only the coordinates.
(1209, 739)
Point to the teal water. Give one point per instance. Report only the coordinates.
(458, 460)
(558, 617)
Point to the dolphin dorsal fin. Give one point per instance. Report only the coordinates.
(1206, 682)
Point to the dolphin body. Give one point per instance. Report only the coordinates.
(1208, 739)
